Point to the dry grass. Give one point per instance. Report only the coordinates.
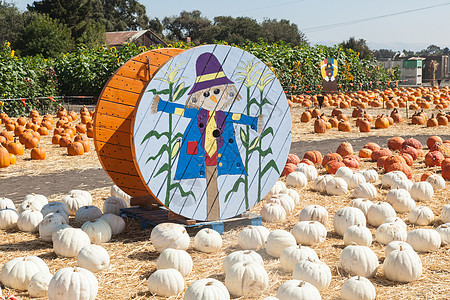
(133, 257)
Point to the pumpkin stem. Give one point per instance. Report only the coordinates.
(209, 283)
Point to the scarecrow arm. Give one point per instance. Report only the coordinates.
(255, 123)
(172, 108)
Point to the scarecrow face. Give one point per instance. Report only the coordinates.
(214, 98)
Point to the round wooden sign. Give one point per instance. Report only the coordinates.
(113, 113)
(212, 132)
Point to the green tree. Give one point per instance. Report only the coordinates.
(45, 36)
(187, 24)
(234, 30)
(122, 15)
(359, 46)
(274, 31)
(11, 22)
(156, 26)
(383, 53)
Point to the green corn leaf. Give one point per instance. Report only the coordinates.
(265, 101)
(155, 134)
(235, 188)
(179, 135)
(261, 153)
(254, 143)
(176, 149)
(269, 130)
(252, 101)
(244, 138)
(161, 151)
(162, 92)
(178, 186)
(177, 90)
(165, 167)
(270, 164)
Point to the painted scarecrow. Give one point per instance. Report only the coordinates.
(329, 70)
(209, 147)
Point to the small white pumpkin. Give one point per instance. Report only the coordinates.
(358, 288)
(310, 171)
(98, 231)
(272, 212)
(6, 203)
(175, 259)
(246, 279)
(421, 215)
(83, 193)
(277, 241)
(285, 201)
(343, 172)
(395, 245)
(346, 217)
(309, 232)
(53, 207)
(444, 232)
(293, 193)
(293, 254)
(297, 290)
(313, 271)
(16, 273)
(49, 224)
(95, 258)
(208, 240)
(336, 187)
(359, 235)
(241, 256)
(405, 184)
(297, 180)
(371, 175)
(422, 191)
(166, 282)
(403, 204)
(388, 178)
(30, 204)
(445, 213)
(396, 193)
(436, 181)
(253, 237)
(354, 180)
(378, 212)
(74, 202)
(277, 187)
(314, 213)
(365, 190)
(86, 213)
(117, 192)
(388, 232)
(73, 283)
(29, 220)
(116, 223)
(320, 183)
(36, 197)
(38, 285)
(207, 289)
(424, 240)
(397, 221)
(402, 265)
(359, 261)
(362, 204)
(67, 242)
(112, 205)
(8, 218)
(169, 235)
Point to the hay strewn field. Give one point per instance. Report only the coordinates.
(133, 257)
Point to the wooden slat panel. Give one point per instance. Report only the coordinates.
(129, 181)
(112, 137)
(115, 109)
(127, 84)
(159, 57)
(119, 96)
(137, 70)
(135, 192)
(110, 150)
(124, 166)
(115, 123)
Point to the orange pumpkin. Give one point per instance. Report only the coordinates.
(372, 146)
(434, 158)
(15, 148)
(38, 153)
(344, 149)
(446, 172)
(392, 160)
(379, 153)
(314, 156)
(293, 159)
(305, 117)
(432, 140)
(344, 126)
(334, 165)
(365, 153)
(22, 121)
(75, 148)
(288, 169)
(13, 159)
(351, 161)
(412, 142)
(364, 125)
(381, 122)
(320, 125)
(5, 158)
(42, 130)
(425, 175)
(64, 141)
(408, 158)
(395, 143)
(329, 157)
(411, 151)
(401, 167)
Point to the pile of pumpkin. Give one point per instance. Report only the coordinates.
(421, 118)
(416, 98)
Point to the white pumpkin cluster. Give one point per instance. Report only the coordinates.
(281, 203)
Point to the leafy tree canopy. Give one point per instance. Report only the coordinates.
(283, 30)
(11, 22)
(359, 46)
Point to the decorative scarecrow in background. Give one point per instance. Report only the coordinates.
(329, 70)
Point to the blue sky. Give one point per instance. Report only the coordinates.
(370, 20)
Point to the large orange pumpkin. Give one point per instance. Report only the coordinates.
(432, 140)
(372, 146)
(329, 157)
(334, 165)
(411, 151)
(434, 158)
(413, 143)
(320, 125)
(288, 169)
(401, 167)
(395, 143)
(344, 149)
(314, 156)
(446, 172)
(379, 153)
(293, 159)
(5, 158)
(365, 153)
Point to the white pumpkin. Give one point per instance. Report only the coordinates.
(208, 240)
(336, 187)
(6, 203)
(293, 254)
(314, 213)
(405, 184)
(365, 190)
(313, 271)
(73, 283)
(86, 213)
(30, 204)
(424, 240)
(403, 202)
(246, 279)
(347, 216)
(297, 180)
(117, 192)
(112, 205)
(309, 232)
(277, 187)
(74, 202)
(95, 258)
(16, 273)
(310, 171)
(272, 212)
(358, 288)
(343, 172)
(359, 235)
(29, 220)
(207, 289)
(38, 285)
(436, 181)
(388, 232)
(395, 245)
(359, 261)
(402, 265)
(175, 259)
(397, 221)
(297, 290)
(241, 256)
(370, 175)
(396, 193)
(49, 224)
(445, 213)
(285, 201)
(320, 183)
(116, 223)
(8, 218)
(277, 241)
(67, 242)
(388, 178)
(421, 215)
(169, 235)
(422, 191)
(354, 180)
(444, 232)
(253, 237)
(362, 204)
(53, 207)
(83, 193)
(98, 231)
(293, 193)
(378, 212)
(166, 282)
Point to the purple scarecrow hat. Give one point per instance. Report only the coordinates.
(209, 73)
